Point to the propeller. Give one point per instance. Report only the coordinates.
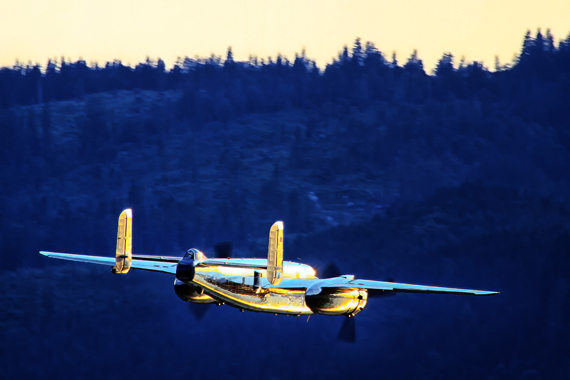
(198, 310)
(347, 331)
(223, 250)
(330, 271)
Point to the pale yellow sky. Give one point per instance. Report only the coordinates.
(131, 30)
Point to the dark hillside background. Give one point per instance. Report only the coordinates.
(459, 177)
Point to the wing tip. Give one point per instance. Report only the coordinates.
(486, 293)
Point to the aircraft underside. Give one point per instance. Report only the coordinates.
(242, 293)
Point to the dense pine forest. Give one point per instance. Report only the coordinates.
(456, 177)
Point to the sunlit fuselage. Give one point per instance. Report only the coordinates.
(243, 283)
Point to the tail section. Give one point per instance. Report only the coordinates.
(124, 253)
(275, 254)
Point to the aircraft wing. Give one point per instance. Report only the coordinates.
(385, 286)
(156, 264)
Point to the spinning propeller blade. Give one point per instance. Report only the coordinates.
(347, 331)
(198, 310)
(330, 271)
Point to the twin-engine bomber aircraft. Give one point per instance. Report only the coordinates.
(269, 286)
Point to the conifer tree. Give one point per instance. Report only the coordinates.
(357, 54)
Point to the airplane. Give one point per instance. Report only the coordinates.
(263, 285)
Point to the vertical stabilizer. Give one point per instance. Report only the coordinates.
(275, 254)
(124, 252)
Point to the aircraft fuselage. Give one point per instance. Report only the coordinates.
(243, 283)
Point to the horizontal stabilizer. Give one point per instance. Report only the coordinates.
(170, 259)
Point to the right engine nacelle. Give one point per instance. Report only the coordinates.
(191, 293)
(336, 301)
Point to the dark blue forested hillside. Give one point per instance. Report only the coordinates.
(458, 178)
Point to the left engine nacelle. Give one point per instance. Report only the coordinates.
(185, 268)
(191, 293)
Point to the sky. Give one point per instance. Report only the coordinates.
(131, 30)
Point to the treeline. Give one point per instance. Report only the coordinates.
(177, 154)
(216, 88)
